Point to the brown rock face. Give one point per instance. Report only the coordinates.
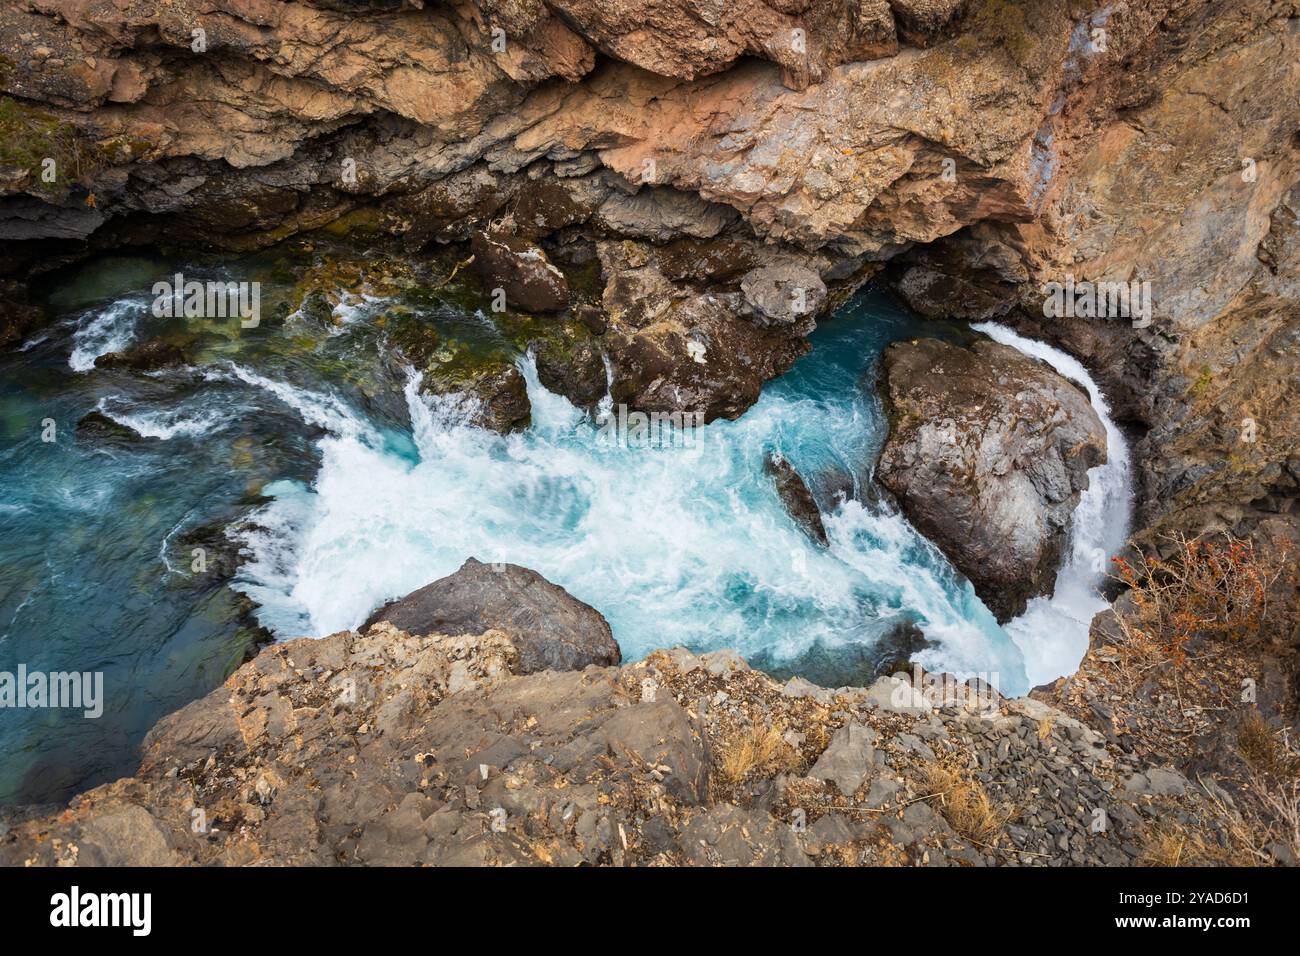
(522, 271)
(551, 629)
(344, 750)
(689, 38)
(388, 749)
(1195, 193)
(987, 453)
(802, 128)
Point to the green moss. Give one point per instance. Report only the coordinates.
(1203, 382)
(1003, 22)
(362, 223)
(28, 137)
(458, 366)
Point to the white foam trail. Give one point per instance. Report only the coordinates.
(1053, 632)
(166, 424)
(315, 408)
(606, 405)
(100, 333)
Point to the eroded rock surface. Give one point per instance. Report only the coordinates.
(387, 748)
(988, 451)
(844, 148)
(522, 271)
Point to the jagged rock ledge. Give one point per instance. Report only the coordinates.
(389, 748)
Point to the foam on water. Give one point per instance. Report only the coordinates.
(108, 330)
(674, 545)
(164, 423)
(1053, 632)
(374, 491)
(322, 409)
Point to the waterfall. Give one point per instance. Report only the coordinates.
(1053, 632)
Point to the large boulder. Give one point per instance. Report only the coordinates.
(551, 629)
(987, 454)
(676, 349)
(783, 293)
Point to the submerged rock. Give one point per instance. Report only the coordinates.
(987, 454)
(98, 428)
(552, 629)
(796, 497)
(178, 342)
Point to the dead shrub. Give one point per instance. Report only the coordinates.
(1209, 587)
(756, 748)
(964, 802)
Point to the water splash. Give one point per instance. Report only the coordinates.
(674, 545)
(1053, 632)
(164, 423)
(100, 332)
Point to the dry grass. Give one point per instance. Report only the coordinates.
(1266, 811)
(964, 802)
(756, 748)
(1273, 777)
(1166, 846)
(1266, 751)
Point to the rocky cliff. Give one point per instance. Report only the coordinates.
(684, 189)
(393, 749)
(711, 180)
(389, 748)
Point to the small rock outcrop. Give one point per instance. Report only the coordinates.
(551, 629)
(987, 454)
(521, 270)
(493, 397)
(796, 497)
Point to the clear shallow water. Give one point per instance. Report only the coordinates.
(343, 487)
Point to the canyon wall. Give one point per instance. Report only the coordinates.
(702, 161)
(690, 170)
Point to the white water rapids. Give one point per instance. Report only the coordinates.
(688, 546)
